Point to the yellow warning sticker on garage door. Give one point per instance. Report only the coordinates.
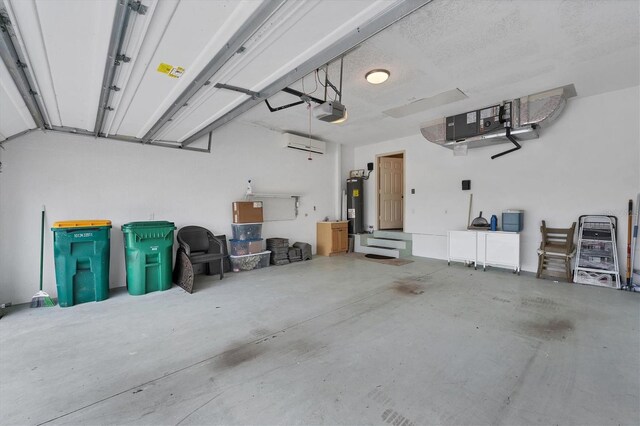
(170, 70)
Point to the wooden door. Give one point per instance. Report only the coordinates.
(391, 188)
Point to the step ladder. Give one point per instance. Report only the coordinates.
(597, 255)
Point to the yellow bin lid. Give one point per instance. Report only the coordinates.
(82, 223)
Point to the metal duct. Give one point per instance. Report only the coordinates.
(527, 115)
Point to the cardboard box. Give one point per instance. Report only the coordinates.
(247, 212)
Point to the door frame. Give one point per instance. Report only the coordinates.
(404, 184)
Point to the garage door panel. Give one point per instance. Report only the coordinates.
(76, 36)
(295, 33)
(194, 34)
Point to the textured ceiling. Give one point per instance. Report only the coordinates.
(491, 50)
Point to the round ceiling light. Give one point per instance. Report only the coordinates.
(377, 76)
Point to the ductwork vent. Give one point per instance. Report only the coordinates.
(517, 119)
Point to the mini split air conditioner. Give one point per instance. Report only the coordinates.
(303, 143)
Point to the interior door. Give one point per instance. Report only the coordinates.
(391, 187)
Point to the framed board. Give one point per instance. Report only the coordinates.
(276, 207)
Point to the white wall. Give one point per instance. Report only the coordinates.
(588, 162)
(78, 177)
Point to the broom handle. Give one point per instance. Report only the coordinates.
(41, 245)
(629, 271)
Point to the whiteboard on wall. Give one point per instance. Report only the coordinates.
(277, 207)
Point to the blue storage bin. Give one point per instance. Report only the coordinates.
(512, 220)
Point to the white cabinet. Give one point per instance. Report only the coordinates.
(461, 247)
(493, 248)
(499, 249)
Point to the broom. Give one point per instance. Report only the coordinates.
(41, 299)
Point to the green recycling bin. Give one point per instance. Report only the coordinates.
(148, 252)
(81, 253)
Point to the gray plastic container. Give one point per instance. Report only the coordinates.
(512, 220)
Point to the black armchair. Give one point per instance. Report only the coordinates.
(197, 247)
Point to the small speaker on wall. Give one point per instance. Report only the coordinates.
(466, 185)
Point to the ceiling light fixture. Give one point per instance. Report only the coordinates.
(377, 76)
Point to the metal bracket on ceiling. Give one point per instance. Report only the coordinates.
(115, 57)
(254, 95)
(304, 98)
(4, 20)
(328, 83)
(15, 61)
(138, 7)
(122, 58)
(114, 88)
(83, 132)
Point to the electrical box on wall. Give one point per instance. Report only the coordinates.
(466, 185)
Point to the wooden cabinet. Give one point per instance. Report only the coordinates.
(494, 248)
(332, 238)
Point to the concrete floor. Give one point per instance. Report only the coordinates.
(331, 341)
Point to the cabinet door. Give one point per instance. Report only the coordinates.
(325, 239)
(344, 239)
(462, 246)
(503, 249)
(335, 240)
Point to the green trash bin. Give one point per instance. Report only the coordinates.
(148, 252)
(81, 253)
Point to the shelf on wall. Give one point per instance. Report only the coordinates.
(277, 207)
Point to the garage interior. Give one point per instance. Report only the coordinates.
(172, 110)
